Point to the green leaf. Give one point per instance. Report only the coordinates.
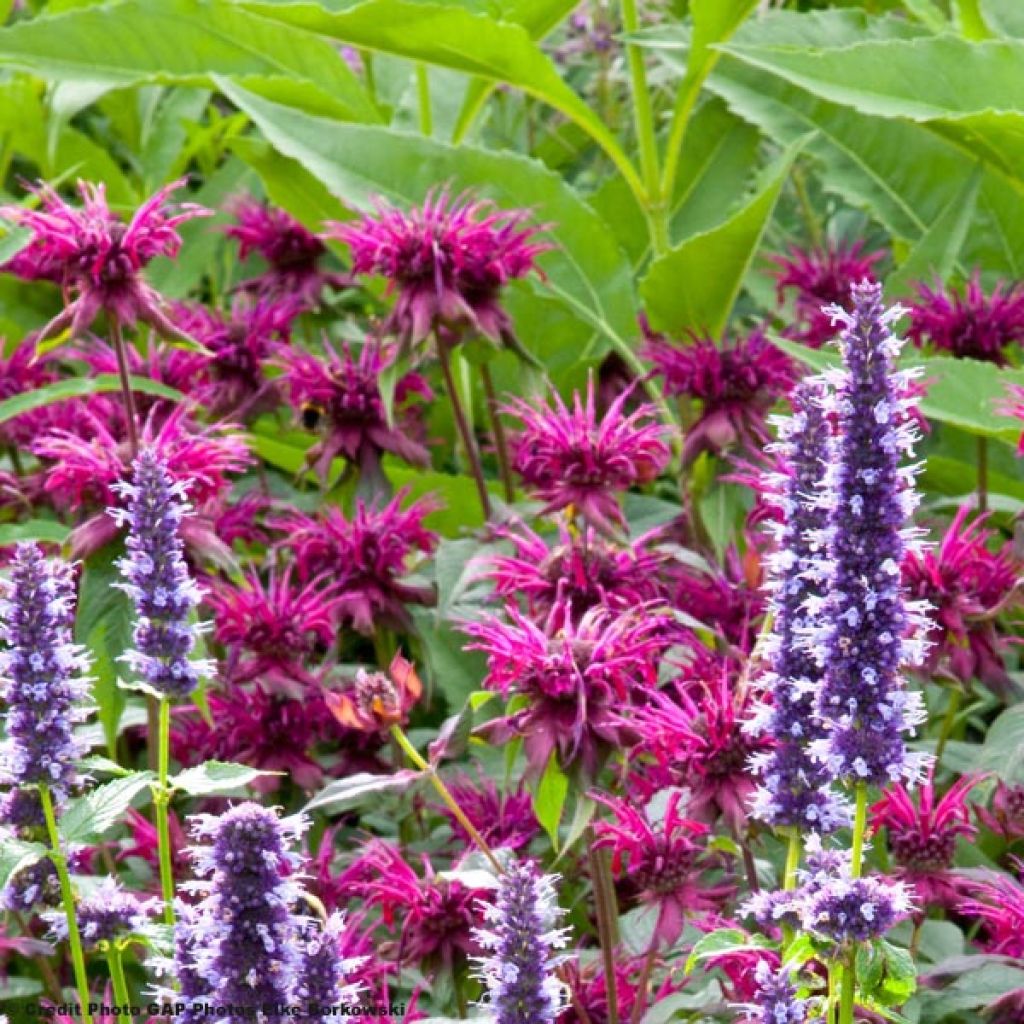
(13, 241)
(178, 41)
(89, 817)
(581, 818)
(549, 799)
(587, 270)
(695, 286)
(1003, 749)
(34, 529)
(220, 777)
(455, 38)
(977, 101)
(16, 854)
(934, 255)
(351, 791)
(20, 988)
(721, 941)
(77, 387)
(453, 670)
(104, 626)
(965, 393)
(900, 173)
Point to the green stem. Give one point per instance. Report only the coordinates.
(462, 425)
(948, 722)
(445, 794)
(647, 140)
(423, 96)
(162, 801)
(117, 977)
(130, 415)
(498, 430)
(860, 822)
(607, 925)
(848, 990)
(792, 860)
(830, 1009)
(68, 899)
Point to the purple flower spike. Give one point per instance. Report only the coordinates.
(241, 944)
(323, 972)
(108, 912)
(868, 632)
(794, 790)
(775, 1001)
(519, 970)
(41, 678)
(845, 909)
(157, 579)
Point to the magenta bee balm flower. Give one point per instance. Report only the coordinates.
(572, 458)
(448, 260)
(99, 259)
(736, 385)
(820, 278)
(967, 323)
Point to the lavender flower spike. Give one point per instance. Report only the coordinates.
(519, 972)
(870, 631)
(41, 682)
(108, 912)
(241, 944)
(323, 973)
(775, 1001)
(795, 786)
(157, 579)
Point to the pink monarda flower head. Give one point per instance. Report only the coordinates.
(660, 856)
(588, 988)
(967, 585)
(869, 630)
(267, 731)
(821, 277)
(922, 837)
(21, 371)
(1014, 406)
(693, 733)
(449, 261)
(240, 343)
(582, 568)
(341, 395)
(968, 323)
(83, 470)
(1006, 815)
(998, 906)
(98, 259)
(293, 254)
(736, 384)
(368, 557)
(272, 632)
(578, 678)
(504, 819)
(571, 458)
(436, 916)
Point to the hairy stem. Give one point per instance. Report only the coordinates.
(948, 722)
(68, 899)
(607, 924)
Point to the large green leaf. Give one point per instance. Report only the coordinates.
(978, 100)
(34, 529)
(78, 387)
(182, 41)
(88, 817)
(451, 37)
(695, 286)
(357, 163)
(899, 172)
(935, 254)
(964, 393)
